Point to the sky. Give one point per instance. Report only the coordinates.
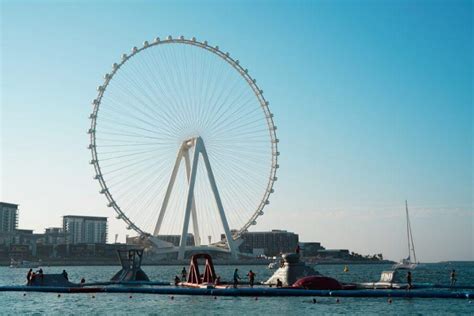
(372, 99)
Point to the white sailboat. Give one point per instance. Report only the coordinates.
(407, 263)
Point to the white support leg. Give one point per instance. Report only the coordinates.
(230, 241)
(168, 192)
(197, 238)
(189, 203)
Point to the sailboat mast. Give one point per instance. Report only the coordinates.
(408, 230)
(412, 244)
(410, 235)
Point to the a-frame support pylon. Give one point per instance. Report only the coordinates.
(191, 172)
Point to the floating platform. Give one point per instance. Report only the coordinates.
(255, 292)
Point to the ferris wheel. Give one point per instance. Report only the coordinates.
(181, 133)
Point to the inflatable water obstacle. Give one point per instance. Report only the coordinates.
(254, 292)
(132, 280)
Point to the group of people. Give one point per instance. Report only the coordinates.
(452, 278)
(251, 276)
(236, 278)
(31, 276)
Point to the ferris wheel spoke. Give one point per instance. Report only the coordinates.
(171, 85)
(127, 186)
(159, 92)
(224, 101)
(115, 123)
(171, 111)
(107, 172)
(228, 116)
(216, 95)
(127, 116)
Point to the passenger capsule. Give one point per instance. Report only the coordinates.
(181, 37)
(205, 43)
(145, 44)
(170, 38)
(157, 40)
(134, 49)
(193, 39)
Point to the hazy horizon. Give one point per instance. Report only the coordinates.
(373, 103)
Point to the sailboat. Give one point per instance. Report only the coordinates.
(407, 263)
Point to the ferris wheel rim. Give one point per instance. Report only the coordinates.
(243, 73)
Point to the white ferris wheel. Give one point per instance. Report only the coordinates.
(181, 133)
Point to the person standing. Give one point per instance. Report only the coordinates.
(251, 276)
(236, 278)
(28, 277)
(453, 277)
(183, 274)
(409, 280)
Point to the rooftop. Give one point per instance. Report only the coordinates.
(8, 204)
(97, 218)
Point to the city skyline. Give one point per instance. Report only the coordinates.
(369, 113)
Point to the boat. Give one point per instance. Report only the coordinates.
(392, 279)
(24, 264)
(407, 263)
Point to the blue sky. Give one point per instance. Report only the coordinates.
(373, 102)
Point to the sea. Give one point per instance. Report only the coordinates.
(31, 303)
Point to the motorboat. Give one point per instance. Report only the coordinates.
(392, 279)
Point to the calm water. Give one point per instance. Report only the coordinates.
(104, 303)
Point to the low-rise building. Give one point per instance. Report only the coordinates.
(310, 249)
(271, 243)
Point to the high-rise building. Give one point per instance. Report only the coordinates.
(8, 217)
(85, 229)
